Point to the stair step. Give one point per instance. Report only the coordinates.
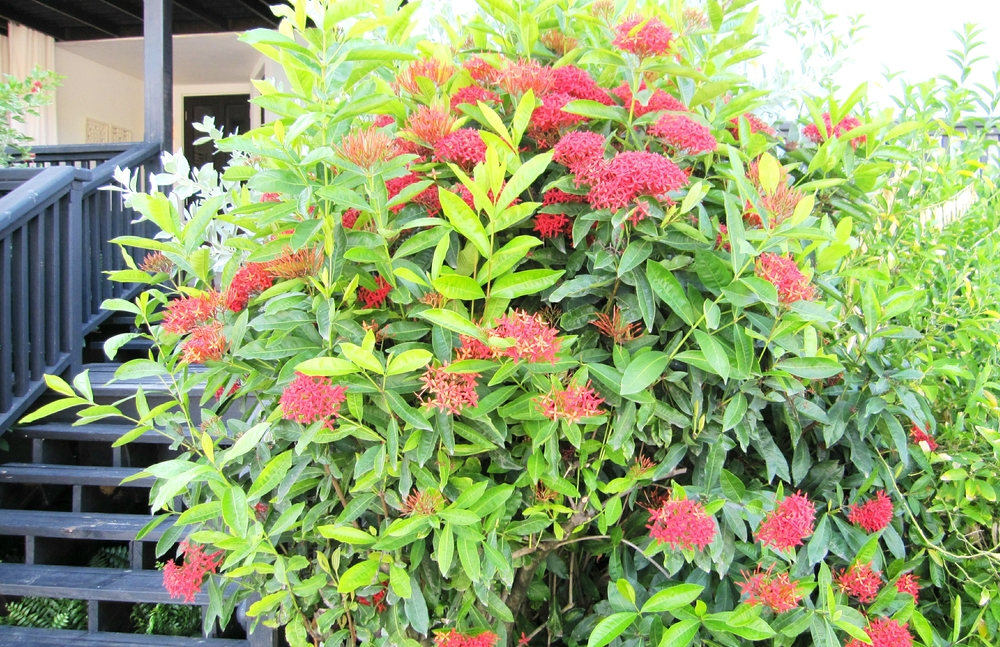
(77, 525)
(28, 636)
(71, 475)
(85, 583)
(101, 432)
(102, 376)
(139, 343)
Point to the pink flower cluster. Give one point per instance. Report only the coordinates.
(658, 101)
(308, 399)
(452, 638)
(919, 435)
(684, 134)
(186, 313)
(472, 95)
(885, 632)
(681, 523)
(860, 581)
(570, 404)
(184, 581)
(788, 524)
(632, 174)
(778, 592)
(846, 124)
(452, 392)
(873, 515)
(206, 343)
(784, 274)
(643, 36)
(249, 281)
(375, 298)
(464, 147)
(533, 339)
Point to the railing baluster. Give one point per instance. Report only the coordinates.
(19, 321)
(36, 302)
(6, 331)
(53, 267)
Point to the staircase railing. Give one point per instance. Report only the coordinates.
(55, 224)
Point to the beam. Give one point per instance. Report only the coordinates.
(116, 4)
(11, 14)
(158, 77)
(78, 16)
(256, 8)
(198, 12)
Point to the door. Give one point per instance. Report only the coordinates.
(232, 115)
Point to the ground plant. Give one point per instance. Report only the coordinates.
(540, 335)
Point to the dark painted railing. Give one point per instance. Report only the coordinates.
(88, 156)
(55, 224)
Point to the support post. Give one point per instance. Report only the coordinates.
(158, 75)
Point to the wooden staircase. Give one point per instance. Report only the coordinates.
(62, 498)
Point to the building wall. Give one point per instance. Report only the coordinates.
(181, 91)
(93, 90)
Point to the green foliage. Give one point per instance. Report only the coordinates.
(166, 619)
(20, 98)
(46, 613)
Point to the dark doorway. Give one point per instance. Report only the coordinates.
(232, 114)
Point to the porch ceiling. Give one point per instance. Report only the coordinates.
(68, 20)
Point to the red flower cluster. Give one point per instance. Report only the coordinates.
(185, 314)
(249, 281)
(550, 225)
(452, 392)
(433, 69)
(350, 216)
(558, 42)
(480, 70)
(534, 340)
(780, 203)
(523, 75)
(423, 504)
(757, 125)
(908, 583)
(885, 632)
(785, 275)
(464, 147)
(375, 298)
(658, 101)
(368, 147)
(684, 134)
(558, 196)
(452, 638)
(578, 84)
(846, 124)
(428, 197)
(632, 174)
(643, 36)
(788, 524)
(775, 591)
(221, 391)
(614, 327)
(156, 262)
(270, 197)
(582, 153)
(918, 435)
(571, 404)
(430, 125)
(185, 581)
(873, 515)
(472, 95)
(549, 118)
(381, 121)
(377, 600)
(472, 348)
(860, 581)
(205, 343)
(722, 239)
(308, 399)
(294, 265)
(681, 523)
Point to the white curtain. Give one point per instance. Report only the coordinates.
(28, 49)
(4, 56)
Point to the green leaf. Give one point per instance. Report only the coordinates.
(362, 357)
(673, 597)
(769, 172)
(635, 253)
(234, 510)
(455, 286)
(712, 270)
(520, 284)
(642, 371)
(715, 354)
(445, 549)
(594, 110)
(735, 411)
(506, 257)
(813, 368)
(610, 628)
(468, 554)
(399, 580)
(680, 634)
(51, 408)
(347, 535)
(668, 288)
(271, 475)
(245, 443)
(464, 220)
(452, 321)
(415, 608)
(326, 367)
(520, 181)
(408, 361)
(459, 517)
(357, 576)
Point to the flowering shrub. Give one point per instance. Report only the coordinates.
(417, 420)
(20, 98)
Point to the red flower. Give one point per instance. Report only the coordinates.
(681, 523)
(684, 134)
(549, 117)
(860, 581)
(452, 638)
(775, 591)
(785, 275)
(205, 343)
(368, 147)
(221, 391)
(643, 36)
(874, 515)
(472, 94)
(550, 225)
(375, 298)
(435, 70)
(270, 197)
(464, 147)
(578, 84)
(292, 265)
(249, 281)
(757, 125)
(184, 314)
(570, 404)
(308, 399)
(558, 196)
(472, 348)
(558, 42)
(381, 121)
(185, 581)
(519, 77)
(480, 70)
(658, 101)
(788, 524)
(918, 435)
(722, 239)
(885, 632)
(780, 203)
(452, 392)
(907, 583)
(350, 217)
(615, 328)
(534, 340)
(156, 262)
(813, 134)
(423, 504)
(632, 174)
(582, 153)
(428, 197)
(377, 600)
(430, 125)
